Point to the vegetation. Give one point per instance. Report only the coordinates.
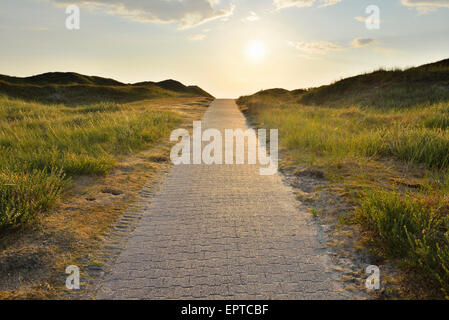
(386, 89)
(395, 126)
(42, 145)
(74, 89)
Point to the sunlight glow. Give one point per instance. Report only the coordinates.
(256, 52)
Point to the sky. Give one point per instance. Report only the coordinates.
(227, 47)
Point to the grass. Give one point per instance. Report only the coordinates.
(395, 142)
(386, 88)
(76, 94)
(42, 146)
(22, 195)
(74, 89)
(416, 135)
(414, 228)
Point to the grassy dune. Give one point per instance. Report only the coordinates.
(44, 143)
(74, 89)
(399, 140)
(41, 145)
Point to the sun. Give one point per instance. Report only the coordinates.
(256, 51)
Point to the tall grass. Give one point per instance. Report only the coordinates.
(386, 88)
(413, 227)
(416, 135)
(22, 195)
(42, 144)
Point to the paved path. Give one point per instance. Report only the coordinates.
(223, 232)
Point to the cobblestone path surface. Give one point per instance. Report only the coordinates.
(223, 232)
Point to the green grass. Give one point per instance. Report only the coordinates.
(76, 94)
(24, 194)
(43, 145)
(395, 88)
(412, 228)
(75, 89)
(405, 120)
(417, 135)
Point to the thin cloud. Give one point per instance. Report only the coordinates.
(186, 13)
(321, 47)
(252, 17)
(361, 19)
(362, 42)
(424, 6)
(280, 4)
(197, 37)
(365, 19)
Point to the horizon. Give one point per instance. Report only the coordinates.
(250, 93)
(228, 48)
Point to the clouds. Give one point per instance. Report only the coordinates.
(362, 42)
(320, 47)
(186, 13)
(190, 13)
(280, 4)
(421, 5)
(252, 16)
(323, 47)
(197, 37)
(426, 5)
